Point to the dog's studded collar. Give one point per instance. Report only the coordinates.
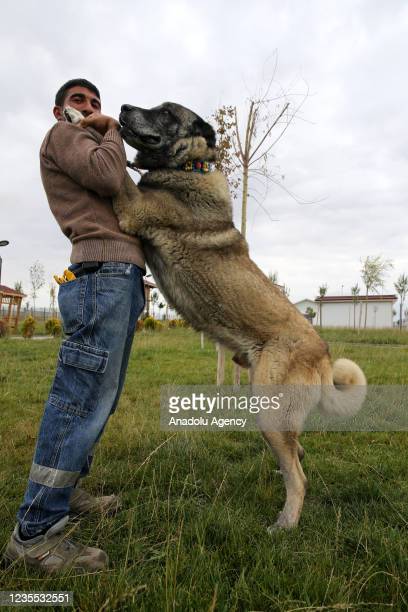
(197, 166)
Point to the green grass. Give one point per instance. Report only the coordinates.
(365, 336)
(192, 532)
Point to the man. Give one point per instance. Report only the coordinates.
(82, 168)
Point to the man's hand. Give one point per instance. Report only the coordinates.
(100, 123)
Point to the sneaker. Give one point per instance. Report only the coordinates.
(52, 552)
(82, 502)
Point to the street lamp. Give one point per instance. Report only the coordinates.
(2, 243)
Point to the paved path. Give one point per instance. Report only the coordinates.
(33, 338)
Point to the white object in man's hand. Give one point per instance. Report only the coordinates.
(72, 115)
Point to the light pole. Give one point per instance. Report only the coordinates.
(2, 243)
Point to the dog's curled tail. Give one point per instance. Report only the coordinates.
(344, 388)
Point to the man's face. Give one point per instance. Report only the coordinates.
(82, 99)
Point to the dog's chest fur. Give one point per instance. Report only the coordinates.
(183, 253)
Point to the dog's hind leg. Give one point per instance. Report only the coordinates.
(270, 367)
(280, 429)
(301, 455)
(284, 445)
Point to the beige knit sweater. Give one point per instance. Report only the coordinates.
(81, 171)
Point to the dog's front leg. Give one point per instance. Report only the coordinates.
(129, 206)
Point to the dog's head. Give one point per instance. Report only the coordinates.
(166, 136)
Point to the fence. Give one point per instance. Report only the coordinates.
(39, 314)
(43, 314)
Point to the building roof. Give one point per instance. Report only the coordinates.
(9, 291)
(358, 298)
(304, 300)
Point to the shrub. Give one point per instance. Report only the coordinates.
(28, 327)
(183, 323)
(4, 329)
(53, 327)
(172, 323)
(152, 323)
(140, 324)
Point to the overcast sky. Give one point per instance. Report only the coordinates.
(349, 158)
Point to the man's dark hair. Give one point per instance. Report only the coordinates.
(60, 96)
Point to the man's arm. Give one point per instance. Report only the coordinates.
(98, 167)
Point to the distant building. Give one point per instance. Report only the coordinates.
(346, 311)
(303, 307)
(148, 284)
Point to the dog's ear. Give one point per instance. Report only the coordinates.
(201, 128)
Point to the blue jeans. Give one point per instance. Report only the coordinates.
(99, 311)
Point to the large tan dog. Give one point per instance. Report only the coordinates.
(201, 265)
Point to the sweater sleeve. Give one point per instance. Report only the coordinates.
(100, 167)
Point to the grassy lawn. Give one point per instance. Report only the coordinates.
(192, 534)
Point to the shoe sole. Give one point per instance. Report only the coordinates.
(7, 561)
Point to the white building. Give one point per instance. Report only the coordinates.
(345, 311)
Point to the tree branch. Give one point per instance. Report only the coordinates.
(237, 133)
(269, 130)
(247, 144)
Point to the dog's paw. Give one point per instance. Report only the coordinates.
(282, 522)
(125, 225)
(276, 528)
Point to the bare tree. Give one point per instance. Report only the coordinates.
(37, 279)
(155, 300)
(161, 305)
(401, 287)
(322, 293)
(355, 291)
(18, 286)
(244, 154)
(273, 277)
(373, 271)
(53, 298)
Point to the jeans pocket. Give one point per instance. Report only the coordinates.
(83, 356)
(77, 383)
(71, 300)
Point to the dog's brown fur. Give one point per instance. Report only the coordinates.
(201, 265)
